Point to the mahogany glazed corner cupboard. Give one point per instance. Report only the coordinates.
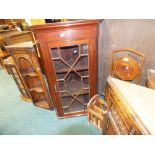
(68, 56)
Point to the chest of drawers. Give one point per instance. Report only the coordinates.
(130, 108)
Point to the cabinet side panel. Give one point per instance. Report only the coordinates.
(49, 70)
(92, 66)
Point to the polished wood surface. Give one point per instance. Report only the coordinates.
(3, 55)
(127, 67)
(26, 61)
(120, 121)
(10, 37)
(129, 114)
(4, 34)
(20, 37)
(64, 25)
(67, 34)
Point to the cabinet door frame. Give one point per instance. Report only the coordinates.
(49, 69)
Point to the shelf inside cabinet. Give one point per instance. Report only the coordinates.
(37, 89)
(32, 74)
(43, 104)
(59, 58)
(79, 68)
(84, 55)
(65, 93)
(75, 107)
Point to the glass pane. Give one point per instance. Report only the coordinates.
(60, 75)
(72, 72)
(61, 85)
(64, 94)
(85, 82)
(73, 82)
(67, 100)
(83, 72)
(60, 66)
(84, 98)
(76, 106)
(82, 63)
(54, 52)
(84, 49)
(69, 54)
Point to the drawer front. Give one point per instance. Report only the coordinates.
(110, 130)
(57, 36)
(119, 116)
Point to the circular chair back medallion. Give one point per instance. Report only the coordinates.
(125, 68)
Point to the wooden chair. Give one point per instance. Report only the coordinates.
(126, 64)
(96, 115)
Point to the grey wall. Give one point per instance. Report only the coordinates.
(138, 34)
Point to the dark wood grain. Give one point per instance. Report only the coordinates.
(61, 34)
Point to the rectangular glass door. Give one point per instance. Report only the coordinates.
(72, 76)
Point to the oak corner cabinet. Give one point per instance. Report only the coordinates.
(26, 63)
(68, 54)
